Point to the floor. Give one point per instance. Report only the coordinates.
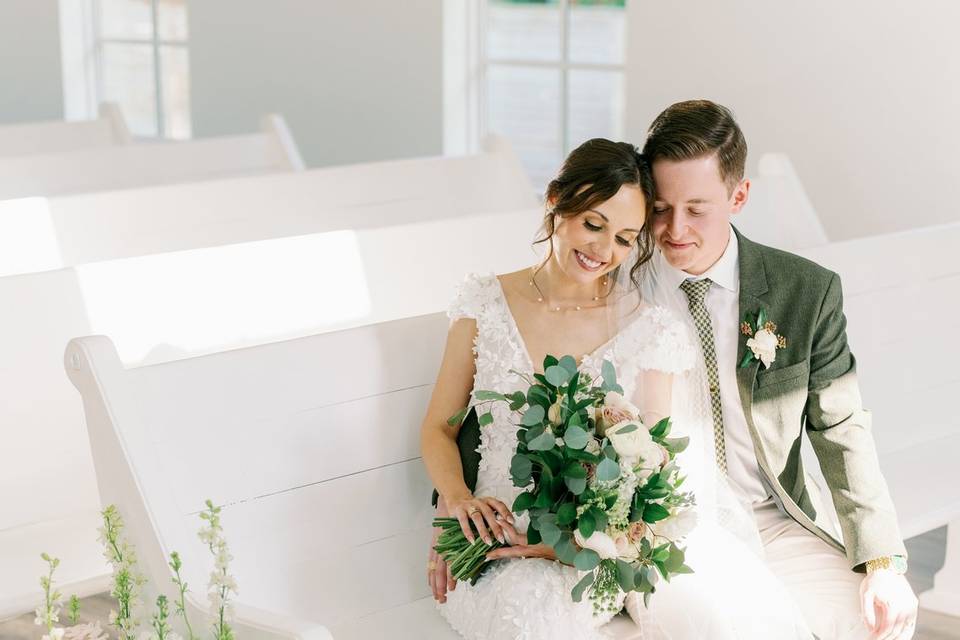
(926, 557)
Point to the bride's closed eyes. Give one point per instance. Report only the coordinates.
(592, 227)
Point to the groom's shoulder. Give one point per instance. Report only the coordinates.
(785, 268)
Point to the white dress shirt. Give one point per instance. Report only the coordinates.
(723, 305)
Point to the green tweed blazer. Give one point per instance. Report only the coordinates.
(810, 389)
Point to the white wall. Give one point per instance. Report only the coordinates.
(30, 83)
(862, 95)
(356, 81)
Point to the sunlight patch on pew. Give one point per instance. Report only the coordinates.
(28, 239)
(169, 306)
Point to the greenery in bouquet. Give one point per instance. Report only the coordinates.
(601, 487)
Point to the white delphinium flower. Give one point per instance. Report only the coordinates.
(127, 579)
(222, 584)
(48, 613)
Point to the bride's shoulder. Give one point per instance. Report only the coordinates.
(658, 337)
(474, 295)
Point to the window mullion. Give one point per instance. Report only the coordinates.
(564, 76)
(158, 85)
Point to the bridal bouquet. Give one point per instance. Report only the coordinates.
(601, 488)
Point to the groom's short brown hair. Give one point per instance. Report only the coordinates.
(697, 128)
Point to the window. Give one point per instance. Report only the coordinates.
(551, 76)
(141, 62)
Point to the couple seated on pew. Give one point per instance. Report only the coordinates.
(741, 345)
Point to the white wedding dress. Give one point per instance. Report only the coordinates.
(530, 599)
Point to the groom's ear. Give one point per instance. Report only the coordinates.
(740, 195)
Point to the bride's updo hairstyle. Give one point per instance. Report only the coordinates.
(591, 174)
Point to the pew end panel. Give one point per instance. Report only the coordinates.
(94, 367)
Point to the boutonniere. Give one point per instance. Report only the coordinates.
(763, 339)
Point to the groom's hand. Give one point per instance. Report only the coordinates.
(439, 578)
(888, 605)
(519, 548)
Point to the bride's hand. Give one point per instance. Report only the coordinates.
(483, 512)
(519, 548)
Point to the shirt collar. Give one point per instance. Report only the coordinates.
(725, 273)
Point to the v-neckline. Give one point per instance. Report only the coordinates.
(512, 321)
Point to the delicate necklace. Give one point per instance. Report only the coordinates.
(542, 298)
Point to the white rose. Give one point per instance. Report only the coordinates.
(600, 542)
(677, 526)
(635, 444)
(764, 346)
(626, 550)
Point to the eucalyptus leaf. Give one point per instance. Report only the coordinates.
(576, 485)
(587, 525)
(609, 375)
(457, 418)
(574, 469)
(485, 419)
(587, 560)
(625, 573)
(566, 514)
(582, 586)
(544, 442)
(550, 533)
(569, 363)
(557, 376)
(566, 549)
(533, 416)
(521, 466)
(576, 437)
(630, 428)
(549, 361)
(523, 502)
(488, 395)
(677, 445)
(608, 470)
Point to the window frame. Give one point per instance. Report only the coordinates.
(564, 65)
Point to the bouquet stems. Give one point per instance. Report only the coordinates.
(466, 560)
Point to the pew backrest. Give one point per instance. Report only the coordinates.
(38, 234)
(150, 163)
(108, 130)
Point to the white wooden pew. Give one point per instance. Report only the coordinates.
(902, 302)
(151, 163)
(778, 212)
(38, 234)
(311, 445)
(173, 305)
(108, 130)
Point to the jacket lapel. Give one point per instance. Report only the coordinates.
(753, 284)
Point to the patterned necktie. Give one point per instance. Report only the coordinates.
(696, 291)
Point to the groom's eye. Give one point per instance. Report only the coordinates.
(660, 209)
(592, 227)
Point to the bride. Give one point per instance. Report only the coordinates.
(593, 296)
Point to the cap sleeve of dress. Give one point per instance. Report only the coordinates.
(473, 296)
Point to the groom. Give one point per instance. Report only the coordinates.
(766, 393)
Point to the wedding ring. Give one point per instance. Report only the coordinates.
(473, 510)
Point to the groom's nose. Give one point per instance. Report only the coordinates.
(676, 224)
